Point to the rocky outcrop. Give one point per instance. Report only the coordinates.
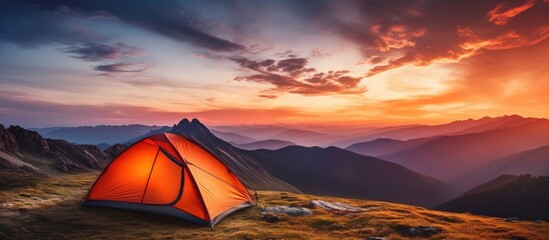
(115, 150)
(76, 158)
(18, 145)
(29, 141)
(8, 143)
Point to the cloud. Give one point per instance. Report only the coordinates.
(120, 67)
(493, 83)
(100, 52)
(502, 13)
(166, 17)
(291, 75)
(22, 109)
(30, 27)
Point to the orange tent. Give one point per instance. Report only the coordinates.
(168, 174)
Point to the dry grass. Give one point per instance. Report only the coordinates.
(50, 208)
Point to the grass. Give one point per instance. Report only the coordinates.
(50, 208)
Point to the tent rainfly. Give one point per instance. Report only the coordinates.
(168, 174)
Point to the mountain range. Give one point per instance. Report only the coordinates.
(97, 134)
(426, 170)
(271, 144)
(455, 157)
(27, 151)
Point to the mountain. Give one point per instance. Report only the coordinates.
(98, 134)
(232, 137)
(385, 146)
(425, 131)
(523, 196)
(27, 151)
(251, 173)
(271, 144)
(337, 172)
(305, 137)
(450, 158)
(535, 162)
(253, 131)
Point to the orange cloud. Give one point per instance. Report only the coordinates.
(502, 13)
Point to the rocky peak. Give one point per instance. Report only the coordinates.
(29, 141)
(114, 150)
(189, 128)
(8, 142)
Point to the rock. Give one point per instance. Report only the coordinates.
(339, 207)
(427, 231)
(421, 231)
(29, 141)
(292, 211)
(76, 158)
(410, 232)
(511, 219)
(8, 142)
(271, 217)
(377, 238)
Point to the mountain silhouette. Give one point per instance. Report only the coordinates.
(535, 162)
(337, 172)
(523, 196)
(271, 144)
(96, 134)
(450, 158)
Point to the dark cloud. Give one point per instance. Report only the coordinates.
(166, 17)
(30, 27)
(292, 76)
(99, 52)
(120, 68)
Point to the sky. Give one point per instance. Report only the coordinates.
(90, 62)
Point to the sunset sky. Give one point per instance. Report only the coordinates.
(265, 62)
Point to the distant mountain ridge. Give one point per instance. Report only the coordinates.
(523, 196)
(450, 158)
(534, 161)
(271, 144)
(337, 172)
(457, 127)
(109, 134)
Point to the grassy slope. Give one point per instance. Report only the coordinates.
(49, 208)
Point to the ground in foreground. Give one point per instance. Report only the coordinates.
(50, 208)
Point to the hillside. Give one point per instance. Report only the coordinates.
(385, 146)
(336, 172)
(50, 208)
(232, 137)
(535, 162)
(27, 151)
(523, 196)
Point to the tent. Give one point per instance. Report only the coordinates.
(168, 174)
